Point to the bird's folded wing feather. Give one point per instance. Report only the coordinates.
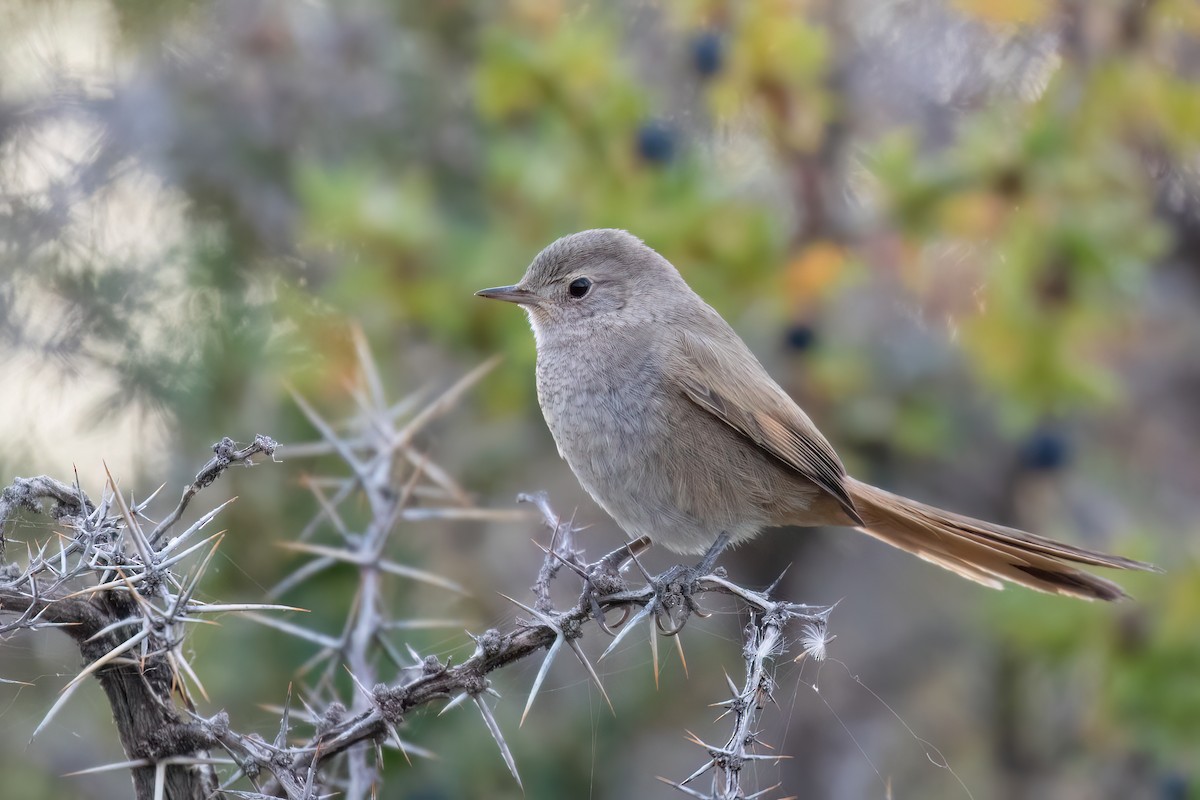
(729, 383)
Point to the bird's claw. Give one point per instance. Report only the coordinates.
(675, 591)
(603, 578)
(675, 601)
(602, 623)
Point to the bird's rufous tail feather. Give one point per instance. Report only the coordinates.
(984, 552)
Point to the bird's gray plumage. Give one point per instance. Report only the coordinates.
(629, 430)
(675, 428)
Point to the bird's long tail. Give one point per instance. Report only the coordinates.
(984, 552)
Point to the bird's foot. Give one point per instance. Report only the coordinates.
(675, 590)
(603, 578)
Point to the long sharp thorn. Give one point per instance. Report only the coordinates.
(538, 615)
(140, 507)
(191, 673)
(301, 574)
(555, 554)
(70, 688)
(310, 711)
(410, 401)
(541, 676)
(195, 528)
(642, 613)
(439, 476)
(574, 645)
(285, 720)
(186, 595)
(79, 492)
(215, 608)
(422, 624)
(774, 584)
(405, 571)
(329, 509)
(679, 787)
(300, 632)
(366, 364)
(131, 524)
(124, 647)
(379, 765)
(181, 555)
(494, 729)
(395, 734)
(363, 689)
(682, 657)
(112, 626)
(345, 488)
(444, 402)
(457, 700)
(654, 647)
(327, 431)
(389, 649)
(54, 709)
(120, 765)
(703, 769)
(412, 749)
(646, 576)
(391, 567)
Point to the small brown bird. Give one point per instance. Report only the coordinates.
(674, 427)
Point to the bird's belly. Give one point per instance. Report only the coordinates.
(679, 484)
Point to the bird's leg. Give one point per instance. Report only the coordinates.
(675, 589)
(712, 554)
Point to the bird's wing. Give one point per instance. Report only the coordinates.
(728, 382)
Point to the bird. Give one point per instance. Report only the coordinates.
(678, 432)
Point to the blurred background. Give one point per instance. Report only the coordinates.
(965, 235)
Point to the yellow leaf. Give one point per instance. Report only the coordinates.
(813, 271)
(972, 214)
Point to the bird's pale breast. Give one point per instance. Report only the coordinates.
(652, 460)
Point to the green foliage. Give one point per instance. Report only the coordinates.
(557, 116)
(1059, 220)
(1143, 660)
(971, 264)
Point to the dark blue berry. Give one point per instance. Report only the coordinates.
(656, 142)
(1173, 786)
(800, 337)
(708, 53)
(1045, 449)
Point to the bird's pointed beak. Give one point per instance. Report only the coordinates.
(509, 294)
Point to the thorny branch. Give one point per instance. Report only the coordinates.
(119, 591)
(225, 454)
(123, 599)
(430, 679)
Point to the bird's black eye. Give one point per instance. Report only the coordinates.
(579, 287)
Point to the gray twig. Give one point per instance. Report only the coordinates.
(128, 609)
(226, 454)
